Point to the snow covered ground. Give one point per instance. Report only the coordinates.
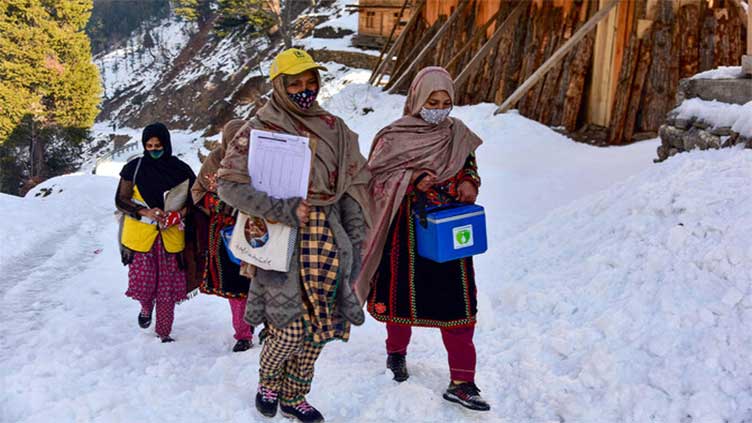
(614, 290)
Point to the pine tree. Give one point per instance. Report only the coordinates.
(49, 87)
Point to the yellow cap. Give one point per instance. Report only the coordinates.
(292, 62)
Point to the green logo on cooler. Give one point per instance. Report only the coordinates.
(463, 236)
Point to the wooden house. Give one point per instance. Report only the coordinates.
(377, 19)
(612, 66)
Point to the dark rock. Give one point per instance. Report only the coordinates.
(671, 137)
(721, 131)
(684, 123)
(352, 59)
(662, 152)
(700, 124)
(329, 32)
(735, 91)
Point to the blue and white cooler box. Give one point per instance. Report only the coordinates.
(451, 232)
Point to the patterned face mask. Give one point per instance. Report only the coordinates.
(155, 154)
(304, 99)
(434, 116)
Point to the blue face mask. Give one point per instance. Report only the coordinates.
(155, 154)
(304, 99)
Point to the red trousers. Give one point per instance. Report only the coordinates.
(458, 343)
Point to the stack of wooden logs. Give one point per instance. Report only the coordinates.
(680, 39)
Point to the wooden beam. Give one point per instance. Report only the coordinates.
(742, 13)
(461, 7)
(488, 46)
(480, 31)
(377, 74)
(747, 59)
(556, 57)
(388, 40)
(749, 28)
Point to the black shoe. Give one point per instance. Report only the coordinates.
(266, 401)
(166, 339)
(242, 345)
(144, 321)
(263, 333)
(396, 363)
(304, 412)
(467, 395)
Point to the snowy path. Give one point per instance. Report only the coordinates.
(71, 349)
(614, 289)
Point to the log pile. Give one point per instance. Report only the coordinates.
(657, 44)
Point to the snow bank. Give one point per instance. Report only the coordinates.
(718, 114)
(632, 304)
(721, 72)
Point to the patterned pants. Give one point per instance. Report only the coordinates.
(287, 361)
(165, 315)
(243, 331)
(155, 277)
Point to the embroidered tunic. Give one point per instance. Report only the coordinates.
(408, 289)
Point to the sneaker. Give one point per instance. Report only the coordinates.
(467, 395)
(242, 345)
(396, 363)
(266, 401)
(262, 335)
(166, 339)
(304, 412)
(144, 321)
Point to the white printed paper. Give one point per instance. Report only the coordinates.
(279, 164)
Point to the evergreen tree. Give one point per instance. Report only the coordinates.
(258, 15)
(49, 87)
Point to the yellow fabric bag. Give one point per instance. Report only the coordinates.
(139, 236)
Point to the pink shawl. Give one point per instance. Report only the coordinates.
(406, 146)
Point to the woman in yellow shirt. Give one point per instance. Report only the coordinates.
(153, 237)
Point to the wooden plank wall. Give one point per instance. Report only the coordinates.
(623, 76)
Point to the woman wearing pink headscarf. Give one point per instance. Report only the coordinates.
(423, 157)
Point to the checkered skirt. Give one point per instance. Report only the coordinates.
(319, 266)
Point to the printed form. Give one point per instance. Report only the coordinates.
(279, 164)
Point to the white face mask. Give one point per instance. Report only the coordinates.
(434, 116)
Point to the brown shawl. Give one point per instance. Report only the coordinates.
(406, 146)
(337, 167)
(207, 176)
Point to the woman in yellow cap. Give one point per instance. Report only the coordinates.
(313, 303)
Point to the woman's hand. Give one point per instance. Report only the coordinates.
(302, 212)
(426, 182)
(156, 214)
(467, 192)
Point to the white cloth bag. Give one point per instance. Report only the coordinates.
(273, 254)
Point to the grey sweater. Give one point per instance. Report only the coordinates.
(276, 297)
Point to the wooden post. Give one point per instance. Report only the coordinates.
(461, 7)
(486, 48)
(556, 57)
(480, 31)
(747, 59)
(388, 40)
(742, 12)
(379, 72)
